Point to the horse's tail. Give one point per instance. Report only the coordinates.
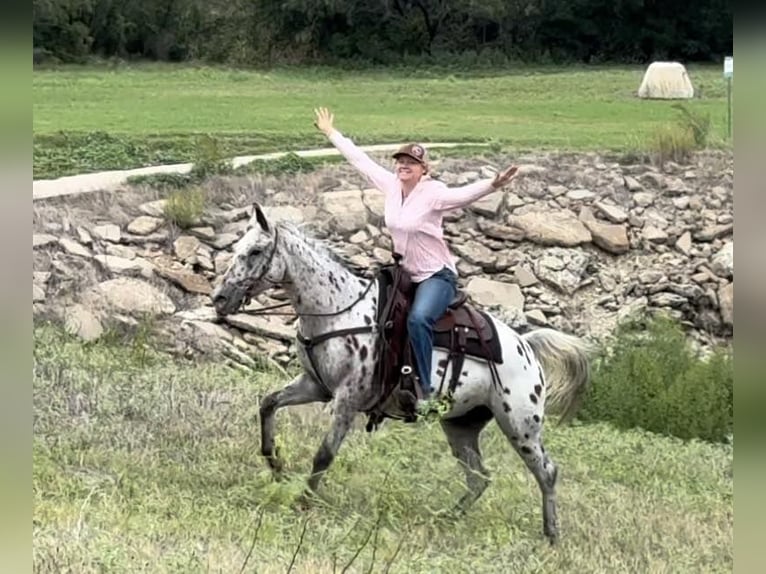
(565, 363)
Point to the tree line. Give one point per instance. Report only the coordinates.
(388, 32)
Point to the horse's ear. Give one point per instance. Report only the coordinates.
(260, 217)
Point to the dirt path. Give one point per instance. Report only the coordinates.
(113, 180)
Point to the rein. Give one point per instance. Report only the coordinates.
(264, 310)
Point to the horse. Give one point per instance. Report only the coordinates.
(338, 347)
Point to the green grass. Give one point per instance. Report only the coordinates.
(142, 464)
(96, 118)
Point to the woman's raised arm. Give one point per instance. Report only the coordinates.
(379, 176)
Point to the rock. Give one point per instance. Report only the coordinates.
(375, 202)
(358, 238)
(210, 331)
(265, 326)
(681, 203)
(489, 205)
(632, 184)
(206, 233)
(713, 232)
(43, 240)
(73, 248)
(221, 262)
(684, 243)
(525, 277)
(467, 177)
(665, 299)
(131, 296)
(346, 209)
(580, 194)
(500, 232)
(286, 213)
(488, 292)
(107, 232)
(38, 293)
(722, 263)
(187, 280)
(557, 190)
(223, 240)
(562, 270)
(144, 225)
(119, 265)
(537, 317)
(82, 323)
(726, 303)
(83, 236)
(611, 212)
(512, 201)
(154, 208)
(476, 254)
(675, 185)
(552, 228)
(651, 277)
(185, 248)
(643, 198)
(611, 238)
(654, 234)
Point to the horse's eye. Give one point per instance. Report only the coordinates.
(253, 255)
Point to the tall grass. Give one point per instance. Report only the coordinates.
(152, 465)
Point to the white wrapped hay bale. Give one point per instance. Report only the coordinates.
(666, 80)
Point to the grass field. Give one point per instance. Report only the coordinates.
(96, 118)
(146, 465)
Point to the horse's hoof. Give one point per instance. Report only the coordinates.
(305, 501)
(553, 538)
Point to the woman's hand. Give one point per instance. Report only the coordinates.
(504, 177)
(324, 120)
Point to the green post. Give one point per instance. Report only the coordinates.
(728, 73)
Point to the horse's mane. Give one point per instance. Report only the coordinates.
(332, 251)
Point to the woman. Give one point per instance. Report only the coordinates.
(414, 207)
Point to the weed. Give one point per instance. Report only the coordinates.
(184, 207)
(650, 378)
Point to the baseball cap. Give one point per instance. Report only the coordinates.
(413, 150)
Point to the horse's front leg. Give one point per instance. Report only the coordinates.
(344, 414)
(301, 390)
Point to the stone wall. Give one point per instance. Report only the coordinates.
(576, 242)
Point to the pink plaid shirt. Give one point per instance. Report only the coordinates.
(415, 223)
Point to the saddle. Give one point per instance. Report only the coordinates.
(462, 331)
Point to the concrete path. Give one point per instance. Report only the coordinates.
(113, 180)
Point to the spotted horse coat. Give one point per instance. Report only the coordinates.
(543, 367)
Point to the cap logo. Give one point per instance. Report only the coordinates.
(417, 150)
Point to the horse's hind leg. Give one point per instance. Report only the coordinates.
(524, 432)
(301, 390)
(463, 437)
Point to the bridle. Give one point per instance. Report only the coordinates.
(309, 343)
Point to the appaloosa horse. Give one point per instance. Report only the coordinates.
(338, 338)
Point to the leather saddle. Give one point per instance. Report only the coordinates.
(462, 331)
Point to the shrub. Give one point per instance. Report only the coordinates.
(649, 377)
(671, 143)
(696, 123)
(184, 207)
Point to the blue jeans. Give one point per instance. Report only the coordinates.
(432, 297)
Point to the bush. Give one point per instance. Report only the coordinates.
(649, 377)
(697, 124)
(184, 207)
(672, 143)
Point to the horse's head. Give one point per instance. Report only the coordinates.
(255, 266)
